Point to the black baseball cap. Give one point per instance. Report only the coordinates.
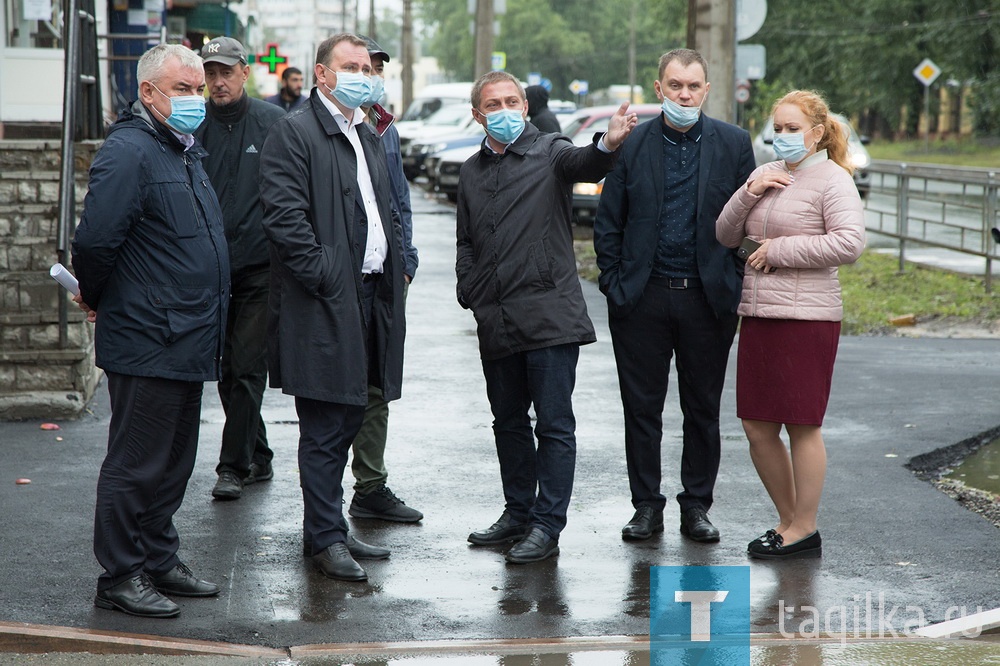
(226, 50)
(374, 48)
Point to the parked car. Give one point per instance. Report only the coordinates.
(448, 121)
(435, 97)
(581, 127)
(446, 166)
(419, 153)
(763, 151)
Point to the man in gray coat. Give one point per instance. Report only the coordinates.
(336, 321)
(517, 272)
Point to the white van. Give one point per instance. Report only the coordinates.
(435, 96)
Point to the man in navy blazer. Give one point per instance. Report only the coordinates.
(672, 289)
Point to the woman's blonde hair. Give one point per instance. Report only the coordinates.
(834, 139)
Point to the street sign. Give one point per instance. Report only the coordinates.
(750, 15)
(499, 60)
(751, 61)
(927, 72)
(579, 87)
(534, 79)
(742, 95)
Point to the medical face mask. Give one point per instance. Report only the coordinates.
(791, 147)
(378, 89)
(504, 125)
(187, 112)
(353, 88)
(680, 116)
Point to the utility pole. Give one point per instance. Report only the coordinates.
(371, 20)
(406, 44)
(631, 53)
(711, 31)
(484, 37)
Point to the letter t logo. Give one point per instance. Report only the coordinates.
(701, 617)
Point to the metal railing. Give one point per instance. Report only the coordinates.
(952, 208)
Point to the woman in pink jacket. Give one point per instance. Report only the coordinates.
(805, 212)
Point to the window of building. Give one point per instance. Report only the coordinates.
(33, 23)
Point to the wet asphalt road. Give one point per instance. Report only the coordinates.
(885, 531)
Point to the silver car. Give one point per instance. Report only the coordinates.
(763, 151)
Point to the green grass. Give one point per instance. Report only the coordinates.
(875, 291)
(972, 152)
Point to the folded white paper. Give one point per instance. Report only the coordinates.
(65, 278)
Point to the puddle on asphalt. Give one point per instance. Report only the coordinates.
(981, 469)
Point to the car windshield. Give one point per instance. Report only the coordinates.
(573, 125)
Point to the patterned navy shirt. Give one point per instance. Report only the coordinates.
(676, 250)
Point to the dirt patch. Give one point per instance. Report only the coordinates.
(950, 327)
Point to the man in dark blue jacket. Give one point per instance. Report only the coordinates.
(150, 254)
(372, 497)
(672, 288)
(233, 134)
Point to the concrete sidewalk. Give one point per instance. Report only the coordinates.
(891, 540)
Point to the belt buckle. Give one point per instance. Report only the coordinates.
(678, 283)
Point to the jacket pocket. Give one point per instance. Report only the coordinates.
(185, 309)
(175, 201)
(538, 257)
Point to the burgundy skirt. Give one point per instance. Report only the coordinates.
(784, 369)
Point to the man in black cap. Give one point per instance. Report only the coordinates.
(372, 497)
(233, 133)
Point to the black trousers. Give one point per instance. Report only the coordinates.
(244, 374)
(666, 322)
(326, 431)
(152, 444)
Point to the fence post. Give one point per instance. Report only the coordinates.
(903, 209)
(989, 218)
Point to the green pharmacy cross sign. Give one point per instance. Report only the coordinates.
(271, 58)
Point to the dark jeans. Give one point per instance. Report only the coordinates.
(667, 322)
(152, 444)
(244, 374)
(544, 378)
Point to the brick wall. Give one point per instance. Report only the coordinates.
(39, 378)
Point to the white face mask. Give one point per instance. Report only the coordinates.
(792, 147)
(681, 116)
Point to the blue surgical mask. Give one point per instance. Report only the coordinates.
(187, 112)
(791, 147)
(378, 89)
(680, 116)
(353, 88)
(504, 125)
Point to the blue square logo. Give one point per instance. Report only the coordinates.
(699, 616)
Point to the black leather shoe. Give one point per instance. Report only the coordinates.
(336, 562)
(259, 472)
(136, 596)
(775, 548)
(359, 549)
(696, 526)
(228, 487)
(382, 504)
(644, 524)
(502, 531)
(535, 547)
(181, 582)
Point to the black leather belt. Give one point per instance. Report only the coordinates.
(368, 277)
(677, 283)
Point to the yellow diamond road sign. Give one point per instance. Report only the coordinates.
(927, 72)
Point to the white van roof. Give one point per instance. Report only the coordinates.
(461, 91)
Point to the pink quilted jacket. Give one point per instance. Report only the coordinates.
(815, 225)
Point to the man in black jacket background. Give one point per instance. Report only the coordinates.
(233, 133)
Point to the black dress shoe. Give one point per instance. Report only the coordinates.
(535, 547)
(644, 524)
(696, 526)
(181, 582)
(336, 562)
(775, 548)
(359, 549)
(259, 472)
(136, 596)
(499, 532)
